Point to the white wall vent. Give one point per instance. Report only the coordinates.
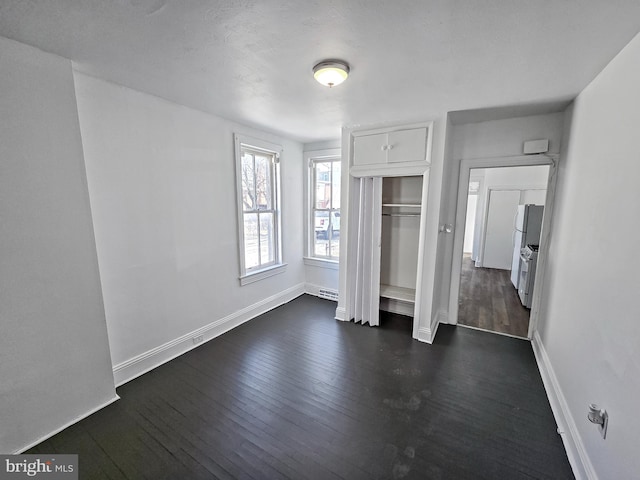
(328, 294)
(536, 146)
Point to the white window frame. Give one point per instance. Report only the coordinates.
(254, 274)
(311, 158)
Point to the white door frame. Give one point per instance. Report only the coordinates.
(461, 211)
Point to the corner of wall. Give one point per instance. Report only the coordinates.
(146, 361)
(567, 429)
(66, 425)
(341, 314)
(48, 254)
(442, 317)
(428, 334)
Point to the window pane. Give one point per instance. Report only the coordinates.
(335, 222)
(325, 208)
(251, 254)
(321, 224)
(248, 187)
(335, 246)
(334, 234)
(336, 184)
(267, 243)
(322, 234)
(323, 185)
(263, 182)
(320, 248)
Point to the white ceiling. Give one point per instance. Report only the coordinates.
(251, 60)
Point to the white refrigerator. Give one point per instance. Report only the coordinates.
(527, 228)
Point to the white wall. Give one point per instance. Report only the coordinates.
(498, 138)
(589, 323)
(400, 235)
(475, 215)
(54, 355)
(319, 277)
(470, 225)
(161, 183)
(521, 178)
(430, 283)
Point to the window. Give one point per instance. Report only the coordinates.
(258, 182)
(324, 205)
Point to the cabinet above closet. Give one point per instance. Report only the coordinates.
(400, 150)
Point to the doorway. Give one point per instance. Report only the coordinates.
(483, 295)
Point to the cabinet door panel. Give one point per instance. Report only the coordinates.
(407, 146)
(368, 149)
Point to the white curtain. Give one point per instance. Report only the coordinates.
(365, 291)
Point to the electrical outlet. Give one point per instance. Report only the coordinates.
(197, 339)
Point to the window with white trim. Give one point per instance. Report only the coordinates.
(324, 207)
(258, 187)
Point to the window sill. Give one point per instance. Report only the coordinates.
(319, 262)
(262, 274)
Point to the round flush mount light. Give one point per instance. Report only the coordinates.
(331, 72)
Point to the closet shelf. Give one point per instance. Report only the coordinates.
(400, 214)
(398, 293)
(402, 205)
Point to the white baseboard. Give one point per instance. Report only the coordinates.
(428, 334)
(424, 335)
(141, 364)
(341, 314)
(67, 425)
(578, 458)
(442, 317)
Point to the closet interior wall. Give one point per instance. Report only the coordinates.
(401, 201)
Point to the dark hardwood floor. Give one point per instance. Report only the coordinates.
(488, 300)
(296, 394)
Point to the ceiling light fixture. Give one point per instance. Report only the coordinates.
(331, 72)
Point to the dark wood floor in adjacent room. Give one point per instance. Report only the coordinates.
(488, 300)
(296, 394)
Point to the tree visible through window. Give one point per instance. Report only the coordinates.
(326, 208)
(258, 180)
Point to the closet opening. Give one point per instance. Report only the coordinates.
(399, 244)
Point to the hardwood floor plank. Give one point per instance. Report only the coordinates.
(245, 424)
(295, 394)
(489, 301)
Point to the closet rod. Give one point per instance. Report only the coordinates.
(400, 214)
